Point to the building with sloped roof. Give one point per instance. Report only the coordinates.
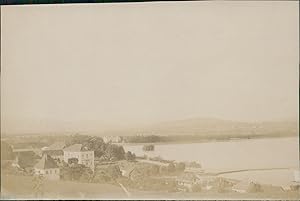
(187, 180)
(81, 153)
(47, 167)
(55, 150)
(247, 187)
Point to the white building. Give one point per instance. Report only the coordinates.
(48, 168)
(112, 139)
(79, 152)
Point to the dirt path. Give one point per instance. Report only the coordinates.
(125, 190)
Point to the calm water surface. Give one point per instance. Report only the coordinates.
(235, 154)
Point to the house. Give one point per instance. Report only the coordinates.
(81, 153)
(112, 139)
(187, 180)
(48, 168)
(247, 187)
(55, 150)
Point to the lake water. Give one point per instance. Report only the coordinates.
(234, 154)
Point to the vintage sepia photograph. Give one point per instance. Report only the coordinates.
(150, 100)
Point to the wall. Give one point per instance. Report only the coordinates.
(84, 157)
(51, 173)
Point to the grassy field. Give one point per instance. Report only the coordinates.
(14, 187)
(22, 187)
(215, 196)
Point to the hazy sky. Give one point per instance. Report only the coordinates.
(84, 67)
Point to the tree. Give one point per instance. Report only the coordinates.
(97, 145)
(76, 171)
(114, 151)
(107, 174)
(180, 167)
(77, 139)
(149, 147)
(221, 185)
(153, 170)
(194, 165)
(254, 188)
(171, 167)
(65, 173)
(101, 177)
(163, 170)
(196, 188)
(130, 156)
(73, 160)
(114, 171)
(86, 175)
(27, 159)
(100, 148)
(6, 151)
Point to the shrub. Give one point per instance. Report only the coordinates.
(114, 151)
(163, 170)
(196, 188)
(101, 177)
(194, 165)
(114, 171)
(86, 175)
(6, 151)
(254, 188)
(180, 167)
(149, 147)
(130, 156)
(73, 160)
(171, 167)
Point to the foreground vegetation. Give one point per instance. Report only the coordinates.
(114, 169)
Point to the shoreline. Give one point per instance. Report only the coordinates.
(202, 141)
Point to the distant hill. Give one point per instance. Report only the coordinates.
(211, 126)
(205, 127)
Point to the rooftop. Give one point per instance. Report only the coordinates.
(56, 146)
(46, 162)
(76, 148)
(243, 185)
(187, 177)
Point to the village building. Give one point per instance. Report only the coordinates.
(55, 150)
(247, 187)
(81, 153)
(187, 180)
(112, 139)
(48, 168)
